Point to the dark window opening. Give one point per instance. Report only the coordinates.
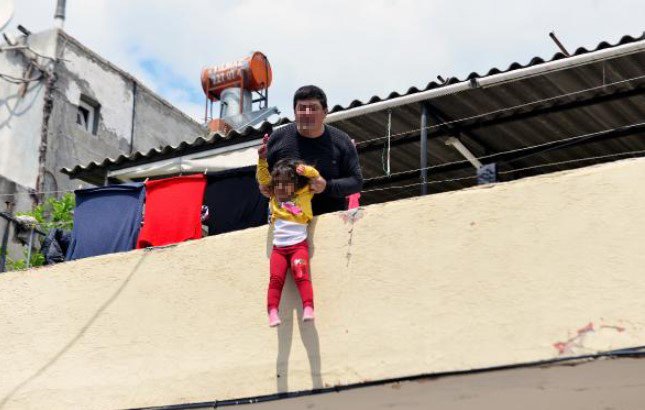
(87, 115)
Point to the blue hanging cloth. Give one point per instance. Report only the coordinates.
(106, 220)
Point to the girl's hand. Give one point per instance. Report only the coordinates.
(266, 191)
(318, 185)
(300, 169)
(262, 150)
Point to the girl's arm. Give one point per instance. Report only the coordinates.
(307, 171)
(262, 174)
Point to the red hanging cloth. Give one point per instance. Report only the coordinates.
(172, 211)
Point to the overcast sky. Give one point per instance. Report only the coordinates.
(352, 49)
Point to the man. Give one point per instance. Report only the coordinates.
(327, 148)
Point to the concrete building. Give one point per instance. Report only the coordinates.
(61, 104)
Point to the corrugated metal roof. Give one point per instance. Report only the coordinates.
(495, 70)
(94, 172)
(593, 98)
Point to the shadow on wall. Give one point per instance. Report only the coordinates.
(291, 307)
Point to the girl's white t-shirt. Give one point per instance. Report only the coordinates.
(287, 233)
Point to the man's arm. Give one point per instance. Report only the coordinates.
(272, 149)
(351, 181)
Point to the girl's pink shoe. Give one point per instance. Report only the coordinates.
(308, 314)
(274, 319)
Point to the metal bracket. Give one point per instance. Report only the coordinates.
(454, 141)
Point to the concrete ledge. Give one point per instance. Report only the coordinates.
(512, 273)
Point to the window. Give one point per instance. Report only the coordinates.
(87, 115)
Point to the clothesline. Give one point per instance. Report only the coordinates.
(37, 192)
(551, 164)
(47, 223)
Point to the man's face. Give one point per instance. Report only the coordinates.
(310, 115)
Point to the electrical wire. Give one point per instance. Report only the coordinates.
(19, 80)
(36, 53)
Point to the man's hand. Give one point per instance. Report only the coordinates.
(262, 150)
(300, 169)
(318, 185)
(266, 190)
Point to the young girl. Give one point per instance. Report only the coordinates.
(290, 207)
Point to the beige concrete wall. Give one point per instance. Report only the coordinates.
(482, 277)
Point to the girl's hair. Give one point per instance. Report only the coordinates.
(285, 169)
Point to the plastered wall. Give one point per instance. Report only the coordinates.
(84, 73)
(516, 272)
(21, 116)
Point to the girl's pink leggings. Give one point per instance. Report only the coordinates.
(294, 256)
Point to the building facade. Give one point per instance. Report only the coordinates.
(61, 104)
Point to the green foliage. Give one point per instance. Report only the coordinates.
(37, 259)
(53, 213)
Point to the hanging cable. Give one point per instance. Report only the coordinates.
(31, 50)
(386, 149)
(20, 80)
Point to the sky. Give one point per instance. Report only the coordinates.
(352, 49)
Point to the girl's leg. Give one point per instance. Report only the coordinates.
(278, 270)
(300, 272)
